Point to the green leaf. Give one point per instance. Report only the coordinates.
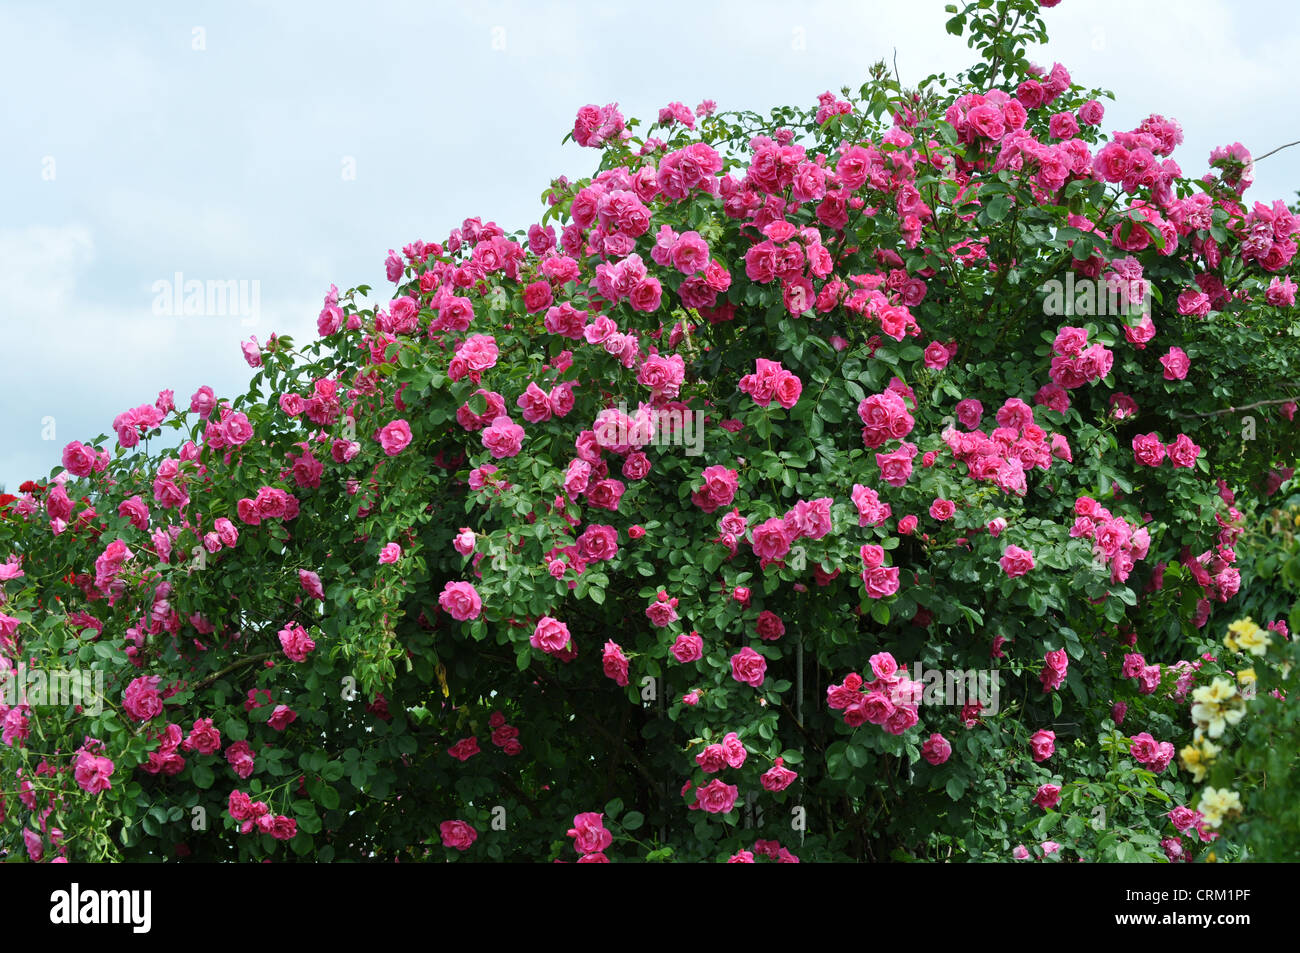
(997, 208)
(328, 796)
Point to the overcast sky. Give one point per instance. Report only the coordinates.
(215, 140)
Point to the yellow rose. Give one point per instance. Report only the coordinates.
(1256, 643)
(1242, 628)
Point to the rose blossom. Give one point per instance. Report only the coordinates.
(1043, 744)
(1016, 561)
(461, 601)
(749, 667)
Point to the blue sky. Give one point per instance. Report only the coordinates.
(211, 139)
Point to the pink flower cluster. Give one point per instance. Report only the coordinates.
(890, 699)
(1150, 753)
(730, 752)
(255, 816)
(1076, 362)
(1056, 665)
(165, 760)
(270, 503)
(504, 736)
(884, 417)
(879, 580)
(1117, 542)
(1016, 446)
(596, 126)
(771, 381)
(131, 425)
(1148, 451)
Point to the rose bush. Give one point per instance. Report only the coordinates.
(452, 580)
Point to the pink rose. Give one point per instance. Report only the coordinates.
(936, 749)
(92, 773)
(787, 389)
(615, 663)
(141, 700)
(689, 647)
(391, 553)
(464, 541)
(769, 625)
(461, 601)
(969, 413)
(1055, 666)
(395, 437)
(464, 749)
(1016, 561)
(778, 777)
(457, 834)
(311, 584)
(1176, 364)
(1148, 450)
(1043, 744)
(281, 717)
(936, 356)
(1048, 796)
(663, 611)
(749, 667)
(1183, 452)
(716, 797)
(771, 539)
(550, 635)
(942, 509)
(504, 438)
(203, 737)
(296, 642)
(589, 833)
(240, 756)
(880, 581)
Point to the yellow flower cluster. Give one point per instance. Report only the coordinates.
(1217, 804)
(1198, 756)
(1245, 636)
(1216, 706)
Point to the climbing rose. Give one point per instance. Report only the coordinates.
(589, 833)
(461, 601)
(457, 834)
(749, 667)
(1016, 561)
(296, 642)
(395, 437)
(936, 749)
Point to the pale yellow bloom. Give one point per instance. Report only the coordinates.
(1237, 630)
(1219, 690)
(1256, 643)
(1218, 803)
(1213, 717)
(1194, 761)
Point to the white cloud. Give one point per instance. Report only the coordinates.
(39, 268)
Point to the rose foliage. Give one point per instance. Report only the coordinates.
(638, 533)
